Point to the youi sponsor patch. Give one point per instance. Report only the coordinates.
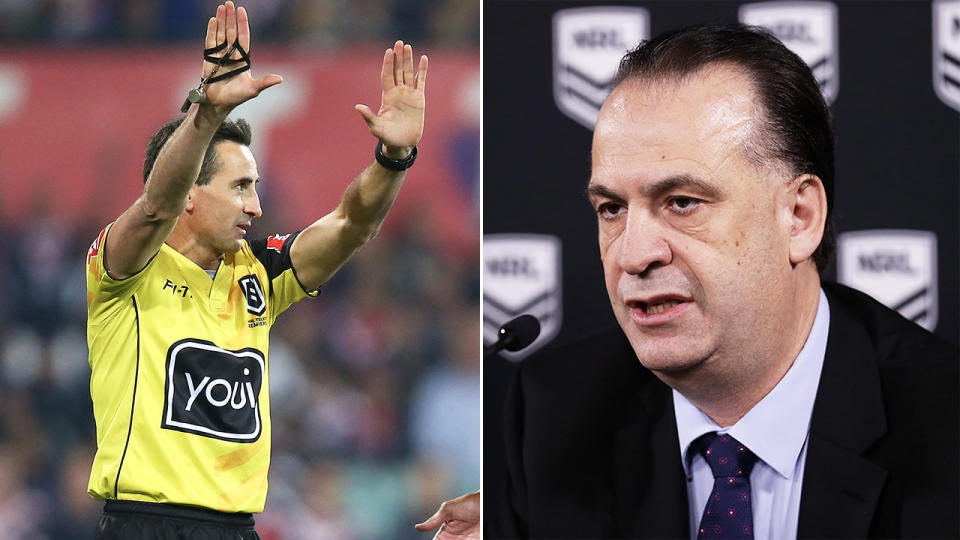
(212, 391)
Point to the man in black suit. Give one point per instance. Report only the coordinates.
(764, 403)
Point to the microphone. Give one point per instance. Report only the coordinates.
(515, 335)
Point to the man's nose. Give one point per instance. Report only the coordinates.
(643, 245)
(252, 205)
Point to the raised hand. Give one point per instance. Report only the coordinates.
(229, 25)
(399, 122)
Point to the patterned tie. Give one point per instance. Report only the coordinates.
(728, 513)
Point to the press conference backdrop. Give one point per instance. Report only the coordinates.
(889, 70)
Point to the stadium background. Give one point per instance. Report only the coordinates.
(897, 162)
(376, 384)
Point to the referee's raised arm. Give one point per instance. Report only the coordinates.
(138, 233)
(326, 244)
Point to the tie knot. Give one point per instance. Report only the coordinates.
(726, 455)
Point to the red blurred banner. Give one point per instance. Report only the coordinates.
(74, 125)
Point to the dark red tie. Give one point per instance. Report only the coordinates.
(728, 513)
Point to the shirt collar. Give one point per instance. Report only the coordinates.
(775, 429)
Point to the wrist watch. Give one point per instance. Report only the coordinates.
(394, 164)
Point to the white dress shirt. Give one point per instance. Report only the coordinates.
(775, 429)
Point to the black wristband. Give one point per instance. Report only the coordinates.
(394, 164)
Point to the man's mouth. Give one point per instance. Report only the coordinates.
(659, 307)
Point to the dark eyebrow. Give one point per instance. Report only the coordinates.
(597, 190)
(671, 183)
(660, 188)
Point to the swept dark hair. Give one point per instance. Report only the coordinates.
(795, 125)
(237, 131)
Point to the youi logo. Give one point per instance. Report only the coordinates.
(212, 391)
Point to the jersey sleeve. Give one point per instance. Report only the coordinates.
(273, 253)
(104, 292)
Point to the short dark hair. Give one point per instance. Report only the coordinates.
(234, 131)
(795, 119)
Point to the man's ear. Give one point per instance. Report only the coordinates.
(809, 216)
(189, 207)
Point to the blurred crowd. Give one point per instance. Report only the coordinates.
(375, 384)
(307, 22)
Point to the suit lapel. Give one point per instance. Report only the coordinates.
(651, 495)
(840, 486)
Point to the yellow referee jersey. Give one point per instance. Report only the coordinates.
(179, 381)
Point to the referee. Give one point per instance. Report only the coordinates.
(180, 305)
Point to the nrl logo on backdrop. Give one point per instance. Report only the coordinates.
(588, 44)
(898, 268)
(809, 29)
(946, 51)
(521, 274)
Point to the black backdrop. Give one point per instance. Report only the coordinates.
(898, 153)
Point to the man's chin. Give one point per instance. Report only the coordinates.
(673, 356)
(229, 248)
(233, 246)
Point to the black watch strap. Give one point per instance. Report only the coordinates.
(394, 164)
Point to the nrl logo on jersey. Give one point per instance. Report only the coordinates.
(521, 274)
(213, 392)
(898, 268)
(253, 293)
(588, 44)
(946, 51)
(809, 29)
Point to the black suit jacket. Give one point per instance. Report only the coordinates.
(593, 452)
